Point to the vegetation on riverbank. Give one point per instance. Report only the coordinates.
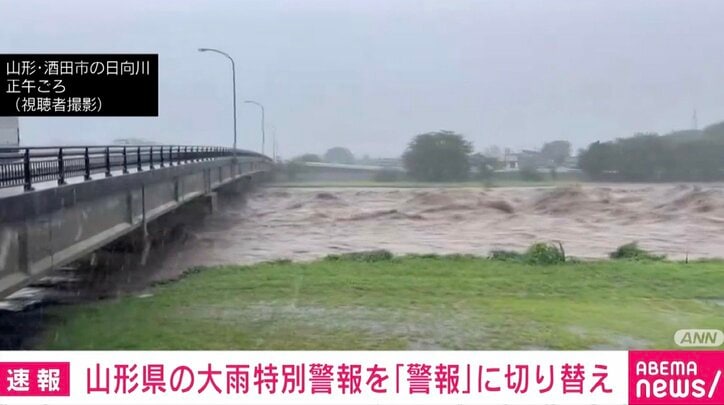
(374, 301)
(689, 155)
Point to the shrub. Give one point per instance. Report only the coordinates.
(422, 256)
(458, 256)
(364, 256)
(505, 255)
(632, 251)
(545, 253)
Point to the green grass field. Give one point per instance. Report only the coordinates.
(407, 303)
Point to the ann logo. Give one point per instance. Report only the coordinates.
(699, 337)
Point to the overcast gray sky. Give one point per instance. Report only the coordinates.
(369, 75)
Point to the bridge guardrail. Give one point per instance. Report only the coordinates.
(24, 166)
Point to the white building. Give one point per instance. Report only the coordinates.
(510, 162)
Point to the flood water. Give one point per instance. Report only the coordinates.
(590, 222)
(274, 223)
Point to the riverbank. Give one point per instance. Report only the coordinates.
(409, 302)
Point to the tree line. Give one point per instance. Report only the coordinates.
(442, 156)
(447, 156)
(694, 155)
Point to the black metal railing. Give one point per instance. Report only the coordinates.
(26, 166)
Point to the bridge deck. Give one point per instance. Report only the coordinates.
(54, 225)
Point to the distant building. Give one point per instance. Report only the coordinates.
(510, 161)
(533, 159)
(571, 162)
(495, 160)
(321, 171)
(383, 162)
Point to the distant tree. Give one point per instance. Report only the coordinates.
(556, 151)
(308, 157)
(493, 151)
(597, 159)
(529, 174)
(530, 159)
(339, 155)
(292, 169)
(715, 130)
(438, 156)
(485, 165)
(485, 171)
(650, 157)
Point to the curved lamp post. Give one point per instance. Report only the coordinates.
(274, 142)
(263, 135)
(233, 81)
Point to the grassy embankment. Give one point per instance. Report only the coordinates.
(408, 303)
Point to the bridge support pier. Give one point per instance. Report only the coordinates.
(145, 242)
(210, 202)
(239, 187)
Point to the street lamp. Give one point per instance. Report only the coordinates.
(274, 142)
(263, 135)
(233, 82)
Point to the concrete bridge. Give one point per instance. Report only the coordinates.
(58, 204)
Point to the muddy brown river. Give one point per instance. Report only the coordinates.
(274, 223)
(590, 221)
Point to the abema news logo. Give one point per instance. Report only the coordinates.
(676, 377)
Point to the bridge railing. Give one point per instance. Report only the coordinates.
(29, 165)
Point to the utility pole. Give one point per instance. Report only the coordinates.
(695, 121)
